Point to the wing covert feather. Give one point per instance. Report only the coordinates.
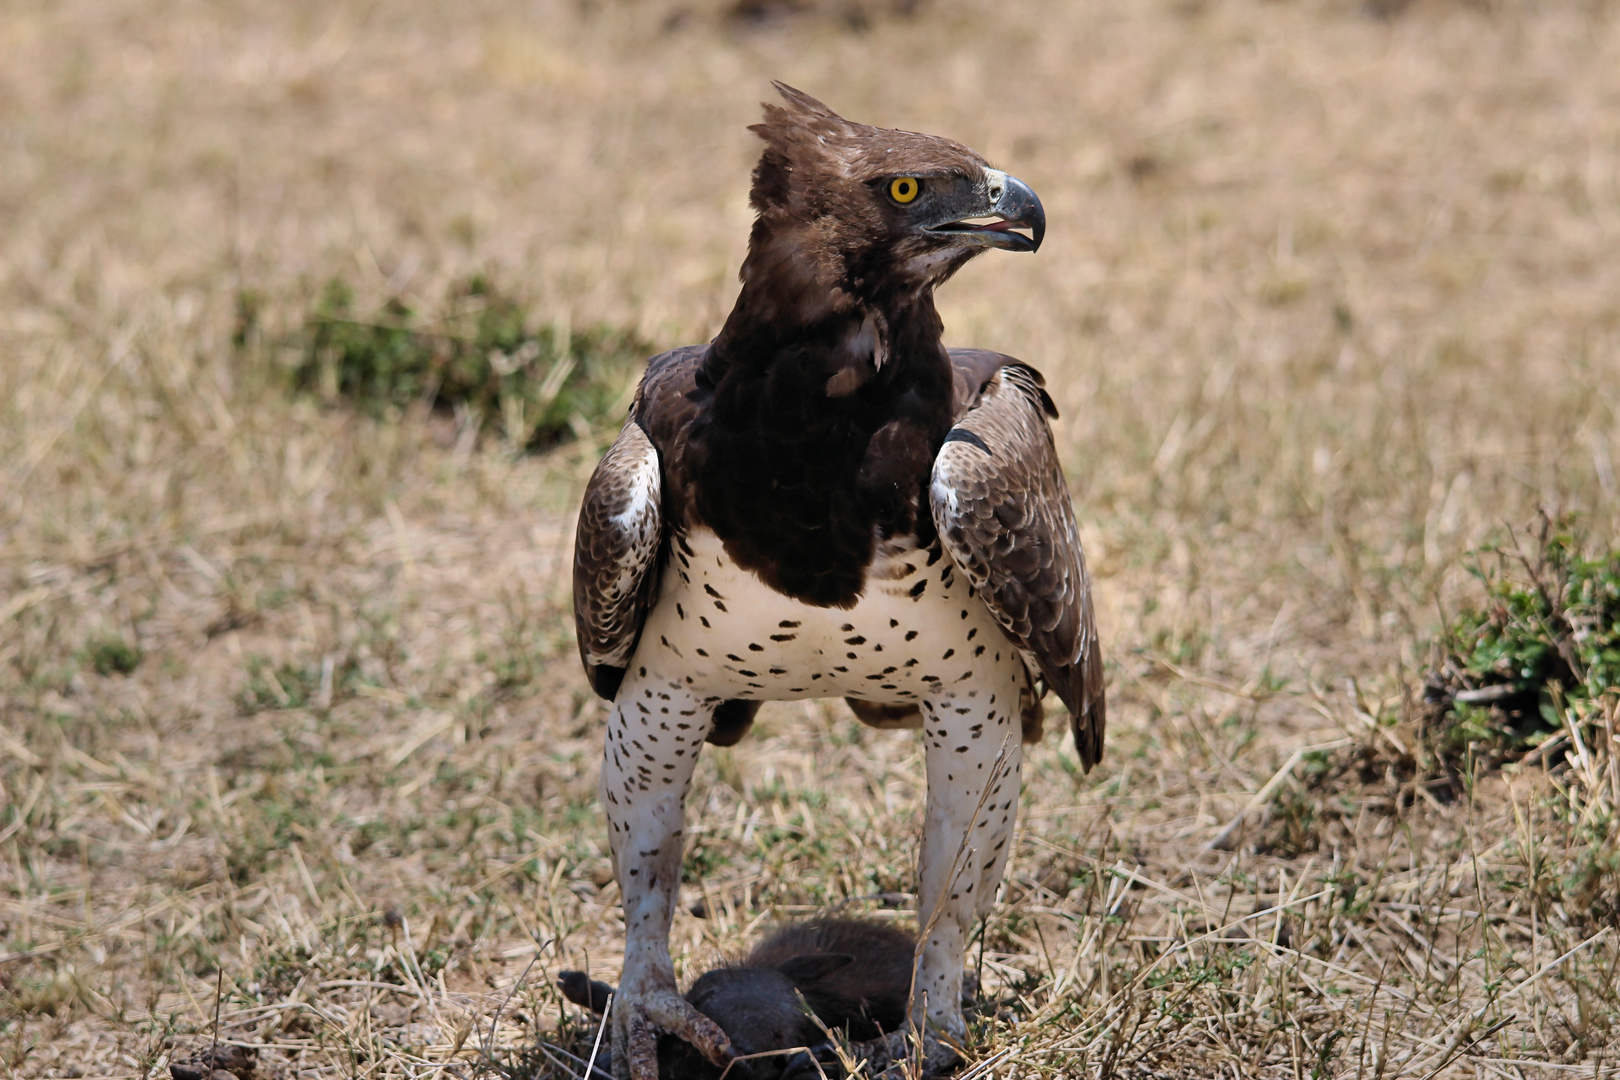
(616, 550)
(1003, 513)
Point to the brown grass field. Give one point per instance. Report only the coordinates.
(1330, 297)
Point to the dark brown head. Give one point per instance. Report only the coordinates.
(874, 212)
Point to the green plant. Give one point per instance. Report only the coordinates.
(113, 654)
(1546, 639)
(480, 356)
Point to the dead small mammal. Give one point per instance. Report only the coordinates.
(853, 974)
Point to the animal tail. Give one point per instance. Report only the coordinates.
(584, 991)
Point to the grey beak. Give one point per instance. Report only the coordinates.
(1018, 205)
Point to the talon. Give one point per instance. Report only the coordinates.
(643, 1049)
(677, 1016)
(639, 1022)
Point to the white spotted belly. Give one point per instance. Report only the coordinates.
(917, 632)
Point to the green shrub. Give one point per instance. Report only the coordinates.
(1546, 638)
(482, 354)
(113, 654)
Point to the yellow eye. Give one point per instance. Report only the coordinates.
(902, 189)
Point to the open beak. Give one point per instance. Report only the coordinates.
(1013, 206)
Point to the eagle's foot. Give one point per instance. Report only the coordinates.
(638, 1020)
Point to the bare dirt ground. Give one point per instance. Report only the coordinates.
(1329, 297)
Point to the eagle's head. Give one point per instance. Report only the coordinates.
(874, 213)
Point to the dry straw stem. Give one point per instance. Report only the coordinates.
(1327, 299)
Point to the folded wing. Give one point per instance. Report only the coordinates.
(616, 550)
(1004, 515)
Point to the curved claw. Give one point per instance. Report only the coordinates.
(639, 1022)
(642, 1051)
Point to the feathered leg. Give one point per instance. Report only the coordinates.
(654, 735)
(972, 739)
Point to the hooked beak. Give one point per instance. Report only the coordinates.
(1013, 205)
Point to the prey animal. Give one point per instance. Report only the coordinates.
(778, 1003)
(826, 501)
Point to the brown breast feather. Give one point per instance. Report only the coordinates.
(1003, 513)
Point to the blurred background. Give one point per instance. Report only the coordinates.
(314, 318)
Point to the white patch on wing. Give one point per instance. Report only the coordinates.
(643, 491)
(627, 536)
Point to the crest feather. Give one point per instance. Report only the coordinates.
(802, 136)
(801, 101)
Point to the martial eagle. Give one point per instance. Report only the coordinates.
(825, 501)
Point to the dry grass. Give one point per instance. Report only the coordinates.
(1328, 297)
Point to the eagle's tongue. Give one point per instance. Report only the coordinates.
(999, 225)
